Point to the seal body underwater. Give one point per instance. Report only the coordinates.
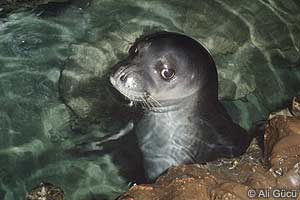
(175, 79)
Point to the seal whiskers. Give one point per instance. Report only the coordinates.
(146, 104)
(155, 102)
(151, 101)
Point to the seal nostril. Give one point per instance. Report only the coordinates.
(123, 77)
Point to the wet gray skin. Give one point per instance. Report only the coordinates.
(175, 79)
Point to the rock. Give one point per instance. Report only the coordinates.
(296, 106)
(291, 179)
(282, 142)
(184, 182)
(279, 126)
(230, 191)
(293, 111)
(282, 147)
(140, 192)
(186, 171)
(259, 178)
(8, 5)
(46, 191)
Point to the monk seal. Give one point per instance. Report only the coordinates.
(175, 78)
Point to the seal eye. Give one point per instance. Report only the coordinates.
(133, 50)
(167, 74)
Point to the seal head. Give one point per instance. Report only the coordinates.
(154, 69)
(175, 78)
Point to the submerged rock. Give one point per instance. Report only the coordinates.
(46, 191)
(239, 178)
(8, 5)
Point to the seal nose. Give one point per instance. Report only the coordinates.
(127, 76)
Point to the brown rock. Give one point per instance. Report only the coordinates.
(179, 183)
(231, 191)
(186, 171)
(140, 192)
(282, 145)
(9, 5)
(291, 179)
(260, 178)
(283, 131)
(45, 191)
(296, 106)
(286, 153)
(187, 188)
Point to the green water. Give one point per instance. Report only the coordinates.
(53, 85)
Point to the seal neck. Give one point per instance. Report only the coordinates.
(175, 105)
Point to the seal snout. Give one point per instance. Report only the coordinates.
(118, 75)
(128, 80)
